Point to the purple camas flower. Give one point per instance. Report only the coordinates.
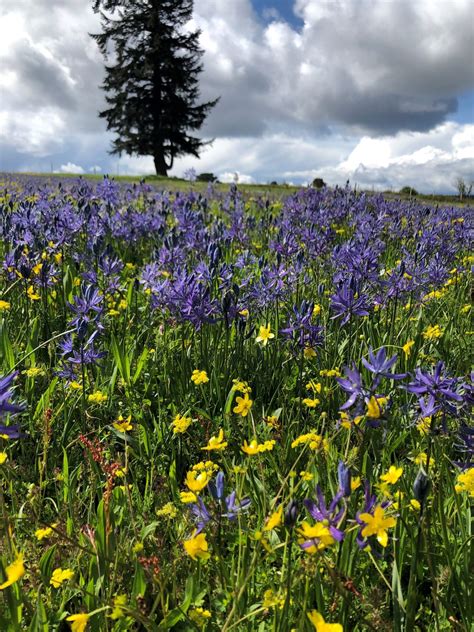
(332, 515)
(300, 330)
(352, 384)
(222, 507)
(380, 366)
(6, 394)
(346, 303)
(436, 391)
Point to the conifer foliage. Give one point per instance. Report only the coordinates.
(152, 64)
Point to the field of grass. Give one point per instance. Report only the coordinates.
(226, 408)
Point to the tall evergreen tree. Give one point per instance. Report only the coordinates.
(151, 83)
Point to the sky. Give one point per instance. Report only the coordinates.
(378, 92)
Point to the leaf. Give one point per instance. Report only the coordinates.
(46, 564)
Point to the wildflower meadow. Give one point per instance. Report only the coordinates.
(223, 411)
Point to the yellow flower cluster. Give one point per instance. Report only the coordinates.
(97, 397)
(199, 377)
(465, 482)
(314, 440)
(432, 332)
(181, 423)
(254, 447)
(168, 510)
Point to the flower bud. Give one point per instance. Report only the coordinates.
(421, 486)
(291, 514)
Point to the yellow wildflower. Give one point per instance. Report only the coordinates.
(78, 621)
(306, 476)
(375, 407)
(320, 624)
(264, 335)
(313, 386)
(254, 447)
(316, 537)
(40, 534)
(392, 475)
(465, 482)
(216, 443)
(355, 483)
(309, 353)
(274, 520)
(14, 572)
(272, 600)
(32, 295)
(316, 310)
(187, 497)
(199, 377)
(123, 425)
(59, 576)
(244, 404)
(432, 332)
(241, 386)
(3, 457)
(4, 305)
(377, 524)
(311, 402)
(199, 616)
(181, 423)
(168, 510)
(120, 601)
(137, 547)
(97, 397)
(197, 481)
(197, 547)
(407, 347)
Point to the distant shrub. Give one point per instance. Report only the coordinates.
(206, 177)
(408, 191)
(318, 183)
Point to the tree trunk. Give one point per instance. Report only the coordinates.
(161, 167)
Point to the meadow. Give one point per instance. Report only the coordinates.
(226, 409)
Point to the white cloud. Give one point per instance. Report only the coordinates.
(236, 177)
(70, 167)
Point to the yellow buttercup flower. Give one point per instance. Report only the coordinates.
(264, 335)
(392, 475)
(320, 624)
(216, 443)
(59, 576)
(123, 425)
(14, 572)
(197, 547)
(377, 524)
(375, 407)
(315, 537)
(199, 377)
(78, 621)
(4, 305)
(274, 520)
(244, 404)
(32, 295)
(407, 347)
(196, 481)
(3, 457)
(187, 497)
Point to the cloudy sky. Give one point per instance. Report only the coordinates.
(380, 92)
